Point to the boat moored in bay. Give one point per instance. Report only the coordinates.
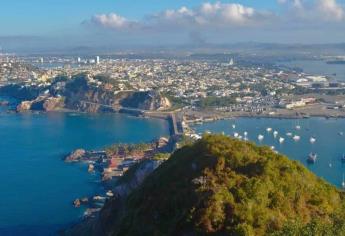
(312, 158)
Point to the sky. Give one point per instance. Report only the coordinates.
(116, 23)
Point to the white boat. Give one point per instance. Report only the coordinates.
(289, 134)
(298, 127)
(312, 158)
(245, 139)
(260, 137)
(273, 147)
(236, 135)
(312, 140)
(234, 126)
(296, 138)
(281, 140)
(269, 129)
(343, 183)
(275, 134)
(240, 137)
(245, 133)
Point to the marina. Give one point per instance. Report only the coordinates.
(318, 143)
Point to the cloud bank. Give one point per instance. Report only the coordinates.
(234, 18)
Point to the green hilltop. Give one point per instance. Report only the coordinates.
(223, 186)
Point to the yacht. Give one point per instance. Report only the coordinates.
(289, 134)
(275, 134)
(312, 158)
(269, 129)
(233, 126)
(260, 137)
(296, 138)
(343, 183)
(245, 133)
(312, 140)
(236, 135)
(281, 140)
(298, 127)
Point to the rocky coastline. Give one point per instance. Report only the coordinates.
(132, 162)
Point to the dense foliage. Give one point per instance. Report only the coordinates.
(212, 101)
(127, 149)
(222, 186)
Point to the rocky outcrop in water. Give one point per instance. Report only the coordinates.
(42, 103)
(76, 155)
(24, 106)
(133, 178)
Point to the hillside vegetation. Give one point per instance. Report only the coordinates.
(222, 186)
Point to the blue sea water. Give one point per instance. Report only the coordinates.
(36, 187)
(329, 145)
(319, 67)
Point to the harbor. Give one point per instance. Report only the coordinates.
(320, 138)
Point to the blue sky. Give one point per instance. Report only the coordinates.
(37, 17)
(89, 22)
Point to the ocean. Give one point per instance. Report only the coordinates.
(37, 187)
(329, 144)
(318, 67)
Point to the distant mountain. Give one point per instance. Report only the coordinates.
(222, 186)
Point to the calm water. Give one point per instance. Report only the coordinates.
(329, 146)
(335, 71)
(37, 187)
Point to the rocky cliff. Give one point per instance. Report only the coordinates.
(42, 103)
(78, 93)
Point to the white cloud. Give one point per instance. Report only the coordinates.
(111, 20)
(330, 10)
(315, 10)
(217, 20)
(219, 15)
